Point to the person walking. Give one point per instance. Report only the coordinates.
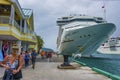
(33, 58)
(13, 64)
(23, 57)
(27, 58)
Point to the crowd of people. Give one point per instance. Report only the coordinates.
(29, 57)
(46, 55)
(14, 62)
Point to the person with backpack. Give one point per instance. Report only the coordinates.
(27, 58)
(33, 58)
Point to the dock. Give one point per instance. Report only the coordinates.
(49, 71)
(46, 70)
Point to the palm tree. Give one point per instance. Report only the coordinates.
(40, 43)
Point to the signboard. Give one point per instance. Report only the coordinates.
(1, 56)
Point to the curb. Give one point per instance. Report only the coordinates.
(107, 74)
(83, 64)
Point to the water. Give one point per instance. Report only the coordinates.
(109, 65)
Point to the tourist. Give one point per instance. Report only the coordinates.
(33, 58)
(27, 58)
(12, 64)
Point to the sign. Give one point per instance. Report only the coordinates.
(1, 56)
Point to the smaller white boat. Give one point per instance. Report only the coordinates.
(111, 46)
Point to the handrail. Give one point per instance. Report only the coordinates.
(16, 25)
(4, 20)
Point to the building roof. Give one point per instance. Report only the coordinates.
(47, 49)
(17, 6)
(27, 12)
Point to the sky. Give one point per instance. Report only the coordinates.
(46, 13)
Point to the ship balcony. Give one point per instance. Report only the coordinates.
(13, 31)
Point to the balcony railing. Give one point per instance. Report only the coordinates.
(16, 25)
(34, 36)
(4, 20)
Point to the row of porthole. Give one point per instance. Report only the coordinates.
(87, 35)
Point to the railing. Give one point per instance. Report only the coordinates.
(22, 30)
(33, 35)
(16, 25)
(4, 20)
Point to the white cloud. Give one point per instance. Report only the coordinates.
(47, 11)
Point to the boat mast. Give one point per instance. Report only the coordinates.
(104, 11)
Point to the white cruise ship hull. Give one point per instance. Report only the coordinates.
(84, 40)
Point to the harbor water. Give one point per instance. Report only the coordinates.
(110, 65)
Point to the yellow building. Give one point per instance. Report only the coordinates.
(16, 26)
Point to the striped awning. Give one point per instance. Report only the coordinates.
(27, 12)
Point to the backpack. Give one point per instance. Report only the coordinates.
(27, 56)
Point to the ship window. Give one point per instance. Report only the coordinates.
(80, 36)
(99, 21)
(65, 17)
(89, 35)
(106, 41)
(103, 44)
(82, 20)
(99, 18)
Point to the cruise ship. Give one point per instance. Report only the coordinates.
(110, 49)
(110, 46)
(82, 34)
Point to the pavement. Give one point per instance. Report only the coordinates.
(49, 71)
(46, 70)
(1, 72)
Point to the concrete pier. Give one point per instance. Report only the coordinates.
(48, 71)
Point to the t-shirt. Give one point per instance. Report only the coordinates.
(27, 56)
(33, 55)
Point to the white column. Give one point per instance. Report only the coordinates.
(25, 25)
(12, 14)
(24, 47)
(19, 46)
(21, 25)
